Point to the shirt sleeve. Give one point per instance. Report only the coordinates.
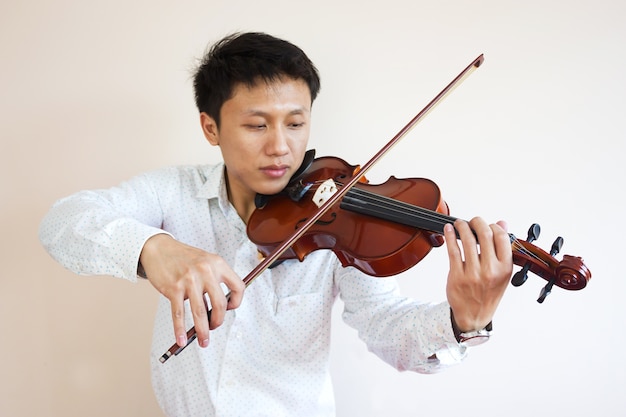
(407, 334)
(102, 232)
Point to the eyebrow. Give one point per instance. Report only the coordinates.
(296, 111)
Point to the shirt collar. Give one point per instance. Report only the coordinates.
(214, 185)
(213, 188)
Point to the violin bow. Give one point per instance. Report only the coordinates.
(175, 349)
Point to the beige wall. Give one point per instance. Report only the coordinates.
(92, 92)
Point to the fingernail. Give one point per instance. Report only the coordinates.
(205, 343)
(182, 340)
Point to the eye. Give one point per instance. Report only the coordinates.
(255, 126)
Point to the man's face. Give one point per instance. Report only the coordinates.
(263, 135)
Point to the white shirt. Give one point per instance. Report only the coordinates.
(270, 357)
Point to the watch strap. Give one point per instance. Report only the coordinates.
(471, 338)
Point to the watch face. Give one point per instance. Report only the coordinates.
(474, 339)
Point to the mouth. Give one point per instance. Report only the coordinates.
(275, 171)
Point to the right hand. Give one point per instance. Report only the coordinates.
(180, 272)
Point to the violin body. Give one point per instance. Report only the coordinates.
(376, 246)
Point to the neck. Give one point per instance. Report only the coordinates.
(243, 204)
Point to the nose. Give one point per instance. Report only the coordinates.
(278, 141)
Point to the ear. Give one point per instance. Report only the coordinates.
(209, 128)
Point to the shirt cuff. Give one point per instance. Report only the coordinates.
(447, 350)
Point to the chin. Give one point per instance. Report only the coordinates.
(272, 187)
(270, 190)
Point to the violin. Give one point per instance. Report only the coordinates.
(384, 229)
(380, 229)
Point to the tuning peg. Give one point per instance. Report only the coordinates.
(521, 276)
(556, 246)
(545, 291)
(533, 233)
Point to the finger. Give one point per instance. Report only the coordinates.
(199, 312)
(502, 241)
(454, 251)
(236, 289)
(178, 319)
(468, 240)
(218, 303)
(484, 236)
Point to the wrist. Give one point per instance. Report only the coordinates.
(470, 338)
(150, 248)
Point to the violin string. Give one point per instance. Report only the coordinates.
(401, 208)
(437, 218)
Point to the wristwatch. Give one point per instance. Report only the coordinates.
(473, 338)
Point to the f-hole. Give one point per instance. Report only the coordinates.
(320, 222)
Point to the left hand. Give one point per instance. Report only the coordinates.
(479, 271)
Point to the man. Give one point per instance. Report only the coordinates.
(184, 229)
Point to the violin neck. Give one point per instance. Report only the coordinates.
(364, 202)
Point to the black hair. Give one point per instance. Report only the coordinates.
(248, 58)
